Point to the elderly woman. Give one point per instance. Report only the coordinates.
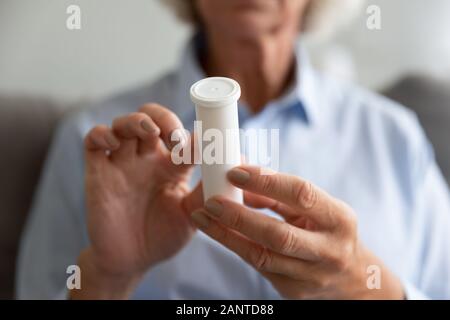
(360, 212)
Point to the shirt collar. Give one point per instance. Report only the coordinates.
(298, 100)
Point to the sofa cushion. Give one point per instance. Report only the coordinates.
(26, 125)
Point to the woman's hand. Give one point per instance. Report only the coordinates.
(314, 253)
(138, 201)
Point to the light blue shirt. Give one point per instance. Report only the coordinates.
(358, 146)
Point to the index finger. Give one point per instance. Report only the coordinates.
(301, 195)
(272, 233)
(166, 120)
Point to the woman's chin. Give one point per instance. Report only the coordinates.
(249, 27)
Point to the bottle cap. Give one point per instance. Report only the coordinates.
(215, 92)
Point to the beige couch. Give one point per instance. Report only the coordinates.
(26, 125)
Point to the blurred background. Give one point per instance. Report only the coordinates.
(46, 70)
(123, 43)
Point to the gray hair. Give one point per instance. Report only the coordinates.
(321, 19)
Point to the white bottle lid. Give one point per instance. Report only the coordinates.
(215, 92)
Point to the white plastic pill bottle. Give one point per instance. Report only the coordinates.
(216, 108)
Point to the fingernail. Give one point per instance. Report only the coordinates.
(200, 219)
(147, 126)
(214, 207)
(238, 176)
(112, 140)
